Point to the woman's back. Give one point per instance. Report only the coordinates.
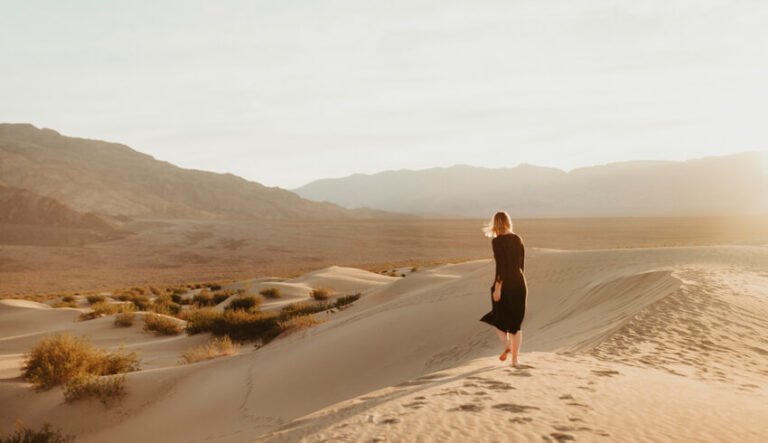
(509, 253)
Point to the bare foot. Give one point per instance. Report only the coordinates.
(515, 363)
(503, 355)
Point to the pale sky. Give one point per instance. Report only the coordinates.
(285, 92)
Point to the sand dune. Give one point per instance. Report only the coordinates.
(644, 344)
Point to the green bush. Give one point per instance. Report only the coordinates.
(46, 434)
(248, 303)
(162, 324)
(59, 358)
(270, 293)
(108, 389)
(320, 294)
(95, 298)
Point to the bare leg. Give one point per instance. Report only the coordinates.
(503, 337)
(516, 340)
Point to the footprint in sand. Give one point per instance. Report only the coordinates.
(566, 397)
(389, 421)
(605, 373)
(468, 407)
(513, 408)
(520, 420)
(559, 437)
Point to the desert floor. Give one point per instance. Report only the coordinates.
(167, 252)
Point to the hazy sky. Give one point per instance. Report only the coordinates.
(284, 92)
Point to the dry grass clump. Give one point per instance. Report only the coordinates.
(126, 316)
(99, 309)
(162, 324)
(108, 389)
(67, 301)
(59, 358)
(164, 304)
(95, 298)
(216, 347)
(237, 324)
(272, 293)
(248, 303)
(46, 434)
(299, 322)
(346, 300)
(320, 294)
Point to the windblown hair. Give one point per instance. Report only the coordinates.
(500, 222)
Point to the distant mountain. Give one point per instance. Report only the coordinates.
(735, 184)
(113, 179)
(29, 218)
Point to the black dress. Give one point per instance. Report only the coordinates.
(507, 314)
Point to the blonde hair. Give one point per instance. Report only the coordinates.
(500, 222)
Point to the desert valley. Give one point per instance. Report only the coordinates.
(236, 312)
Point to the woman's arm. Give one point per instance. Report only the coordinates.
(498, 257)
(522, 256)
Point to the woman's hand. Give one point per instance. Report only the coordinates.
(497, 291)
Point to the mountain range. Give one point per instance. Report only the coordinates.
(728, 185)
(113, 180)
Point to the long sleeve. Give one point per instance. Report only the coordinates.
(498, 256)
(522, 256)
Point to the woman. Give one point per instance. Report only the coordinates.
(509, 290)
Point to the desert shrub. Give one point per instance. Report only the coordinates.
(95, 298)
(200, 320)
(141, 302)
(204, 298)
(99, 309)
(298, 322)
(68, 299)
(123, 296)
(221, 296)
(163, 304)
(345, 300)
(65, 304)
(126, 316)
(162, 324)
(108, 389)
(216, 347)
(414, 269)
(140, 291)
(237, 324)
(270, 292)
(46, 434)
(249, 303)
(304, 308)
(214, 287)
(59, 358)
(320, 294)
(176, 298)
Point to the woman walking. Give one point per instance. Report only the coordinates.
(509, 290)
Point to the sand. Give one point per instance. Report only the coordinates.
(656, 344)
